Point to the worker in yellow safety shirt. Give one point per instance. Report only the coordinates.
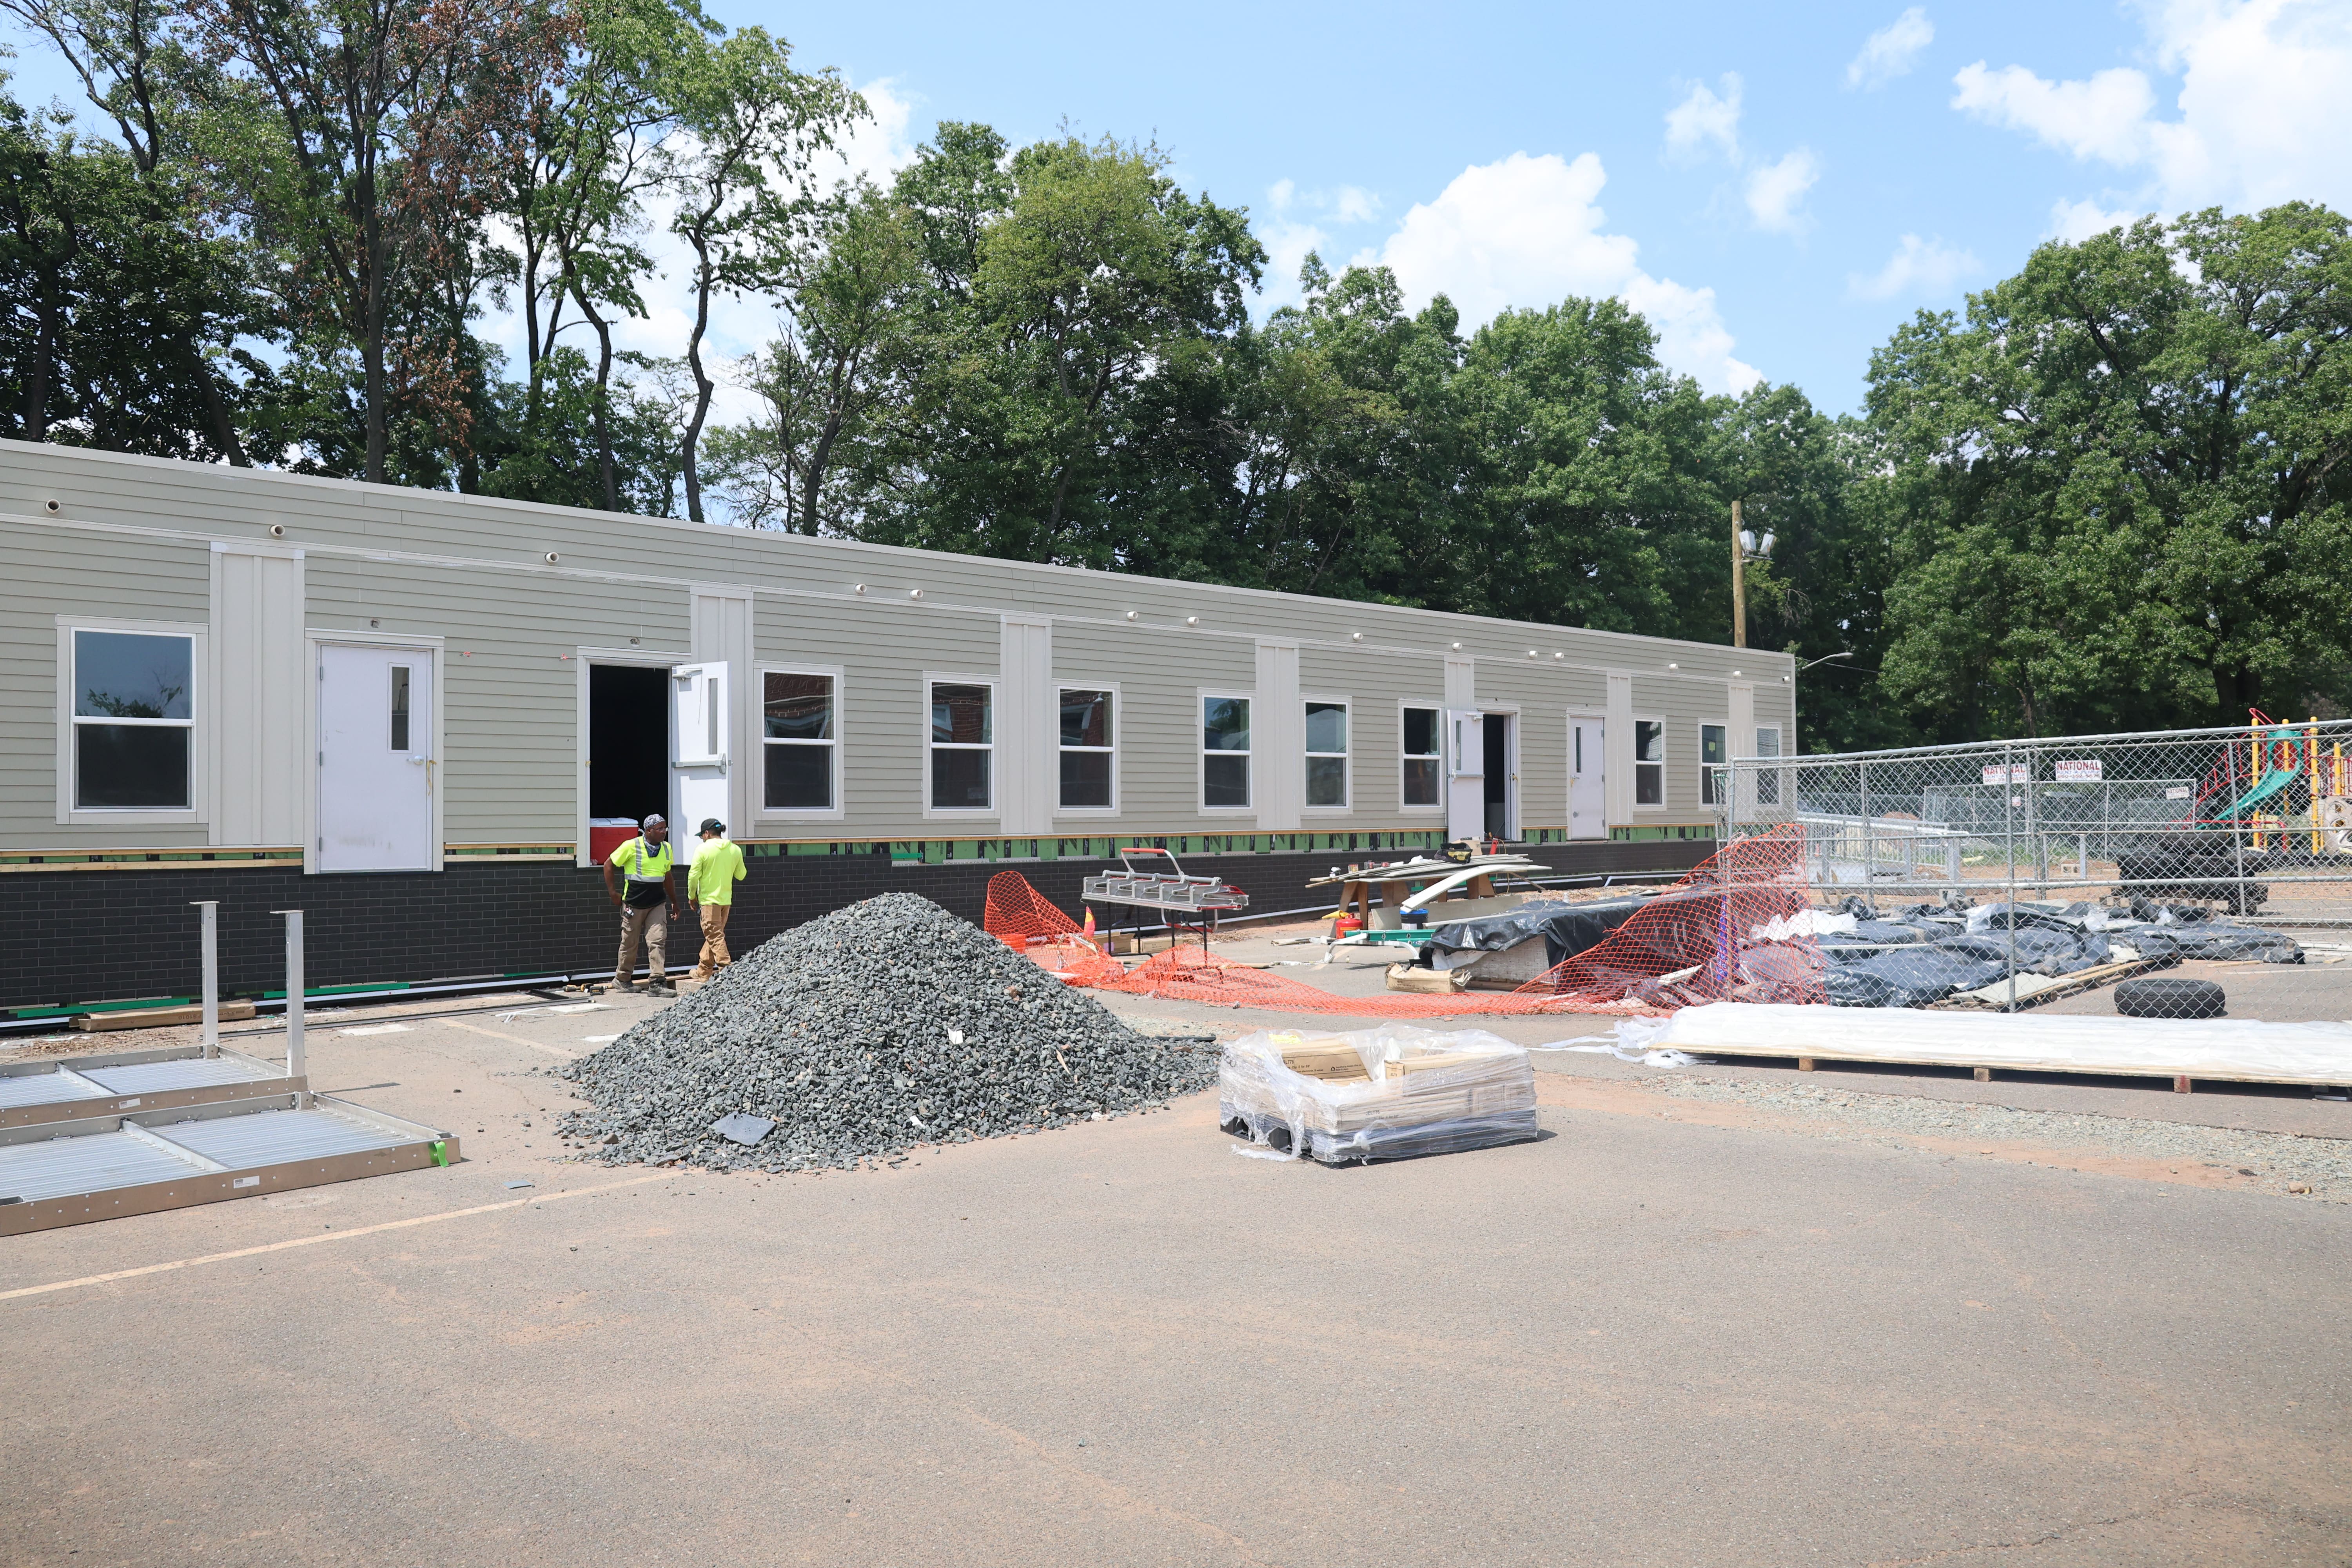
(710, 878)
(648, 906)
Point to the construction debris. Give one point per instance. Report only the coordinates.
(1377, 1094)
(876, 1029)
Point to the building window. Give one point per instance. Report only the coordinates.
(1088, 756)
(1649, 762)
(1713, 754)
(1420, 757)
(1768, 779)
(797, 741)
(1224, 753)
(1327, 755)
(962, 740)
(133, 722)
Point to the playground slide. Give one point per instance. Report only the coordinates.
(2272, 782)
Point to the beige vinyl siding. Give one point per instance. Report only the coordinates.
(58, 571)
(509, 685)
(1160, 669)
(474, 572)
(1375, 681)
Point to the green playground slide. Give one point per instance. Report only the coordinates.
(2272, 782)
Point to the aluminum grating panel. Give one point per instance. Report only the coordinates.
(274, 1137)
(43, 1089)
(66, 1167)
(188, 1072)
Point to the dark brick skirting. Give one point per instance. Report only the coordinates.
(93, 936)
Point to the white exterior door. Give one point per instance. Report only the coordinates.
(376, 760)
(1466, 784)
(698, 749)
(1588, 809)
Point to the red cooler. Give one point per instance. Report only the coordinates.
(606, 833)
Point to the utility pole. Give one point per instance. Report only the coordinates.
(1739, 582)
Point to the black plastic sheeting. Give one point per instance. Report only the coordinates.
(1567, 928)
(1941, 951)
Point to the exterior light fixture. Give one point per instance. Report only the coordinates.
(914, 592)
(1560, 656)
(1533, 654)
(857, 588)
(1134, 615)
(1457, 647)
(553, 558)
(1735, 674)
(1355, 637)
(1674, 666)
(1192, 620)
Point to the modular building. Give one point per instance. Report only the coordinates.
(420, 717)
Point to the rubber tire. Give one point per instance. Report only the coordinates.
(2171, 998)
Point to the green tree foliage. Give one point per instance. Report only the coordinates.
(120, 318)
(2121, 486)
(2113, 493)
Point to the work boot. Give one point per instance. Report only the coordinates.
(662, 989)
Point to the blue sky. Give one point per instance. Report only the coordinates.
(1828, 168)
(1776, 188)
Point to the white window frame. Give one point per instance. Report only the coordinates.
(995, 806)
(1704, 787)
(839, 809)
(1117, 721)
(1347, 758)
(1201, 752)
(1664, 765)
(1438, 729)
(197, 811)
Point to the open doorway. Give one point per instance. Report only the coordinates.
(628, 749)
(1497, 729)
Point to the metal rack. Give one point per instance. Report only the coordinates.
(1158, 883)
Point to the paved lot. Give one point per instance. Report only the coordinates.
(1671, 1332)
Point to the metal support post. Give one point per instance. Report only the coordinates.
(296, 1059)
(208, 928)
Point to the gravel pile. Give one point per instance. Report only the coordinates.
(2280, 1162)
(878, 1027)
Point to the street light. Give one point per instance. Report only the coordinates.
(1745, 547)
(1823, 659)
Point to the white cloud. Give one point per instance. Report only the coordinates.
(1702, 117)
(1919, 268)
(1526, 231)
(1891, 50)
(1301, 222)
(2074, 221)
(2105, 117)
(1350, 205)
(1775, 190)
(2265, 105)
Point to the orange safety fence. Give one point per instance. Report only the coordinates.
(1696, 942)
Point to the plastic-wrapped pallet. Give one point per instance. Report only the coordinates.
(1376, 1094)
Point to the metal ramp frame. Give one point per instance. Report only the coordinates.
(104, 1167)
(73, 1089)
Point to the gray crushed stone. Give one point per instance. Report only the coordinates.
(841, 1032)
(2277, 1162)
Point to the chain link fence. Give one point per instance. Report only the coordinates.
(2171, 874)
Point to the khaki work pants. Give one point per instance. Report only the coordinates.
(652, 923)
(715, 956)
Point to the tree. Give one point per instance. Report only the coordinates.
(357, 138)
(2124, 482)
(752, 127)
(843, 361)
(591, 144)
(116, 310)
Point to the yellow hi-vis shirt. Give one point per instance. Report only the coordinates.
(717, 867)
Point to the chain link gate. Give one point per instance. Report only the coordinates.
(2166, 874)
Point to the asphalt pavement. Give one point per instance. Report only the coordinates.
(1672, 1332)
